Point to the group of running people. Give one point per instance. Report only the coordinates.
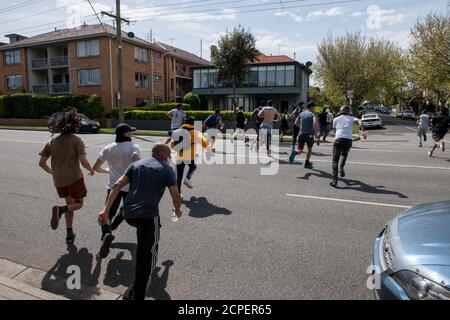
(438, 125)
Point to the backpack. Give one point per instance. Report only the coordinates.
(211, 121)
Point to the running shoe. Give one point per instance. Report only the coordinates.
(188, 184)
(342, 172)
(70, 239)
(334, 183)
(309, 165)
(104, 249)
(430, 153)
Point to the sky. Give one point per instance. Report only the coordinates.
(280, 27)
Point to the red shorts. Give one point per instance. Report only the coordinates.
(76, 190)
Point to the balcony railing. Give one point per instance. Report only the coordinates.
(59, 62)
(40, 88)
(40, 63)
(61, 88)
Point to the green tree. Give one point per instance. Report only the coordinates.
(429, 55)
(234, 52)
(367, 66)
(192, 99)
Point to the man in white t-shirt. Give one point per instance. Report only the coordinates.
(176, 117)
(422, 126)
(343, 141)
(119, 155)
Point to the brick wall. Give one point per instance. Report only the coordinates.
(10, 70)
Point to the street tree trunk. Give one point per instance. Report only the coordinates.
(234, 103)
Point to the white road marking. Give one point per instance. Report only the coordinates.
(349, 201)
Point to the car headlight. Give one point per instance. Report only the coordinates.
(83, 123)
(420, 288)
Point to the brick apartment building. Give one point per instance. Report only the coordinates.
(82, 60)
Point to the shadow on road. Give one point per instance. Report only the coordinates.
(354, 185)
(202, 208)
(121, 272)
(55, 279)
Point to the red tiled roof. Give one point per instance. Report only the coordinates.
(272, 59)
(78, 32)
(184, 55)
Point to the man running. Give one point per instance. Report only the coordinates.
(186, 150)
(344, 139)
(422, 126)
(148, 178)
(284, 124)
(213, 121)
(323, 125)
(268, 114)
(66, 151)
(241, 121)
(257, 120)
(295, 130)
(308, 124)
(439, 127)
(119, 155)
(176, 117)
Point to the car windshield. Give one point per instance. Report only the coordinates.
(370, 116)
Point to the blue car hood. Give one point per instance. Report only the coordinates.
(421, 236)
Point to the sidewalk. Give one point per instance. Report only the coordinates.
(19, 282)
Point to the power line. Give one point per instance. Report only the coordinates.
(171, 5)
(206, 14)
(20, 5)
(40, 13)
(95, 12)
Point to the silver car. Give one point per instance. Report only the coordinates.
(411, 256)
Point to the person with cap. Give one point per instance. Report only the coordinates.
(67, 151)
(344, 139)
(184, 141)
(148, 179)
(119, 155)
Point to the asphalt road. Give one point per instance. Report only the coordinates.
(243, 235)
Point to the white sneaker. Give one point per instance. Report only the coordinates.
(187, 183)
(181, 195)
(442, 146)
(430, 154)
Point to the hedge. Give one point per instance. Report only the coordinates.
(37, 106)
(137, 114)
(162, 106)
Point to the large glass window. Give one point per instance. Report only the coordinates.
(204, 78)
(89, 77)
(140, 54)
(212, 78)
(280, 76)
(290, 76)
(12, 57)
(271, 76)
(14, 82)
(141, 80)
(253, 77)
(88, 48)
(197, 75)
(262, 76)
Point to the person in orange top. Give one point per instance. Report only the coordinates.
(186, 150)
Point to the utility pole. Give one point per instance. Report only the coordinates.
(201, 48)
(119, 57)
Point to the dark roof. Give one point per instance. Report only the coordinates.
(183, 54)
(83, 31)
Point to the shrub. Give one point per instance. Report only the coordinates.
(138, 114)
(192, 99)
(163, 106)
(3, 111)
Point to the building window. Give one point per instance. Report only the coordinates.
(204, 79)
(157, 77)
(271, 76)
(12, 57)
(197, 75)
(14, 82)
(88, 48)
(140, 54)
(280, 76)
(212, 83)
(156, 55)
(253, 77)
(172, 84)
(262, 76)
(141, 80)
(89, 77)
(290, 76)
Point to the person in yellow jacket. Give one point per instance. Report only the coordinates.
(186, 150)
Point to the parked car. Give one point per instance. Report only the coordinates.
(411, 257)
(384, 110)
(86, 126)
(372, 120)
(408, 114)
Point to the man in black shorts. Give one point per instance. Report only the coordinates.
(308, 124)
(439, 128)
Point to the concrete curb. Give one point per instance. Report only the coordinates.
(19, 282)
